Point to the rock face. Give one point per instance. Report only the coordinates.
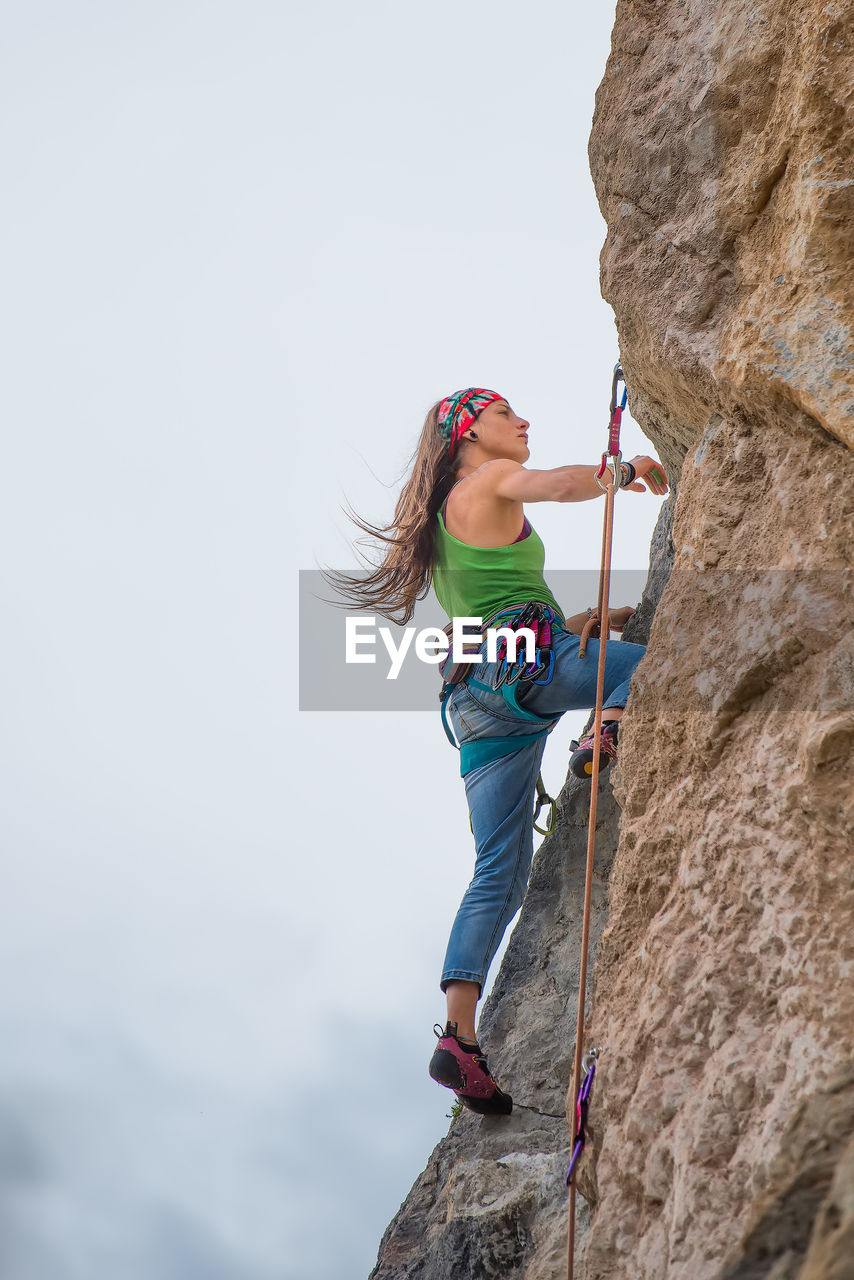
(721, 153)
(723, 1119)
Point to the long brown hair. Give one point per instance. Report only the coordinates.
(405, 571)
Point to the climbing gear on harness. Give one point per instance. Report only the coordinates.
(581, 760)
(455, 1066)
(588, 1066)
(610, 488)
(538, 619)
(543, 798)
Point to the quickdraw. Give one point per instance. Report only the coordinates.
(616, 415)
(543, 798)
(588, 1064)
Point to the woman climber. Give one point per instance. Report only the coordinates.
(460, 524)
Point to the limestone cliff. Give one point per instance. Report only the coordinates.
(723, 1120)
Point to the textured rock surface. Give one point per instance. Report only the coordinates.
(723, 983)
(722, 154)
(723, 1123)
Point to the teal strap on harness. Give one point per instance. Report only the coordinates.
(447, 690)
(509, 695)
(484, 750)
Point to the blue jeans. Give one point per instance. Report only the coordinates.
(501, 794)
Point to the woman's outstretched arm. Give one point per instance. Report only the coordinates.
(511, 480)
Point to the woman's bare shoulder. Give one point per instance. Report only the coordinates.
(490, 474)
(476, 514)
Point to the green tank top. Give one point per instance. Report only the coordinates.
(479, 582)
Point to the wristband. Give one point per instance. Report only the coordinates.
(629, 473)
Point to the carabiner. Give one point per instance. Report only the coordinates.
(513, 672)
(589, 1059)
(543, 798)
(614, 462)
(618, 378)
(548, 669)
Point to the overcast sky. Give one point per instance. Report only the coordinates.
(245, 247)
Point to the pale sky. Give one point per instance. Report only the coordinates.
(245, 248)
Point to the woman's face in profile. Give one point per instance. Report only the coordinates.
(502, 432)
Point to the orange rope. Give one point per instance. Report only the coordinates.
(604, 592)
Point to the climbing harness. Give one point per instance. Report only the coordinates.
(620, 474)
(540, 619)
(588, 1064)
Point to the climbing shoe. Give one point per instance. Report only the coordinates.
(462, 1067)
(581, 760)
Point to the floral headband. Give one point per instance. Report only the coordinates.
(458, 412)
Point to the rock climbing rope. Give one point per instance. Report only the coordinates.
(619, 475)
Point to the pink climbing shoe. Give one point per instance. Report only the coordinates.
(456, 1067)
(581, 760)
